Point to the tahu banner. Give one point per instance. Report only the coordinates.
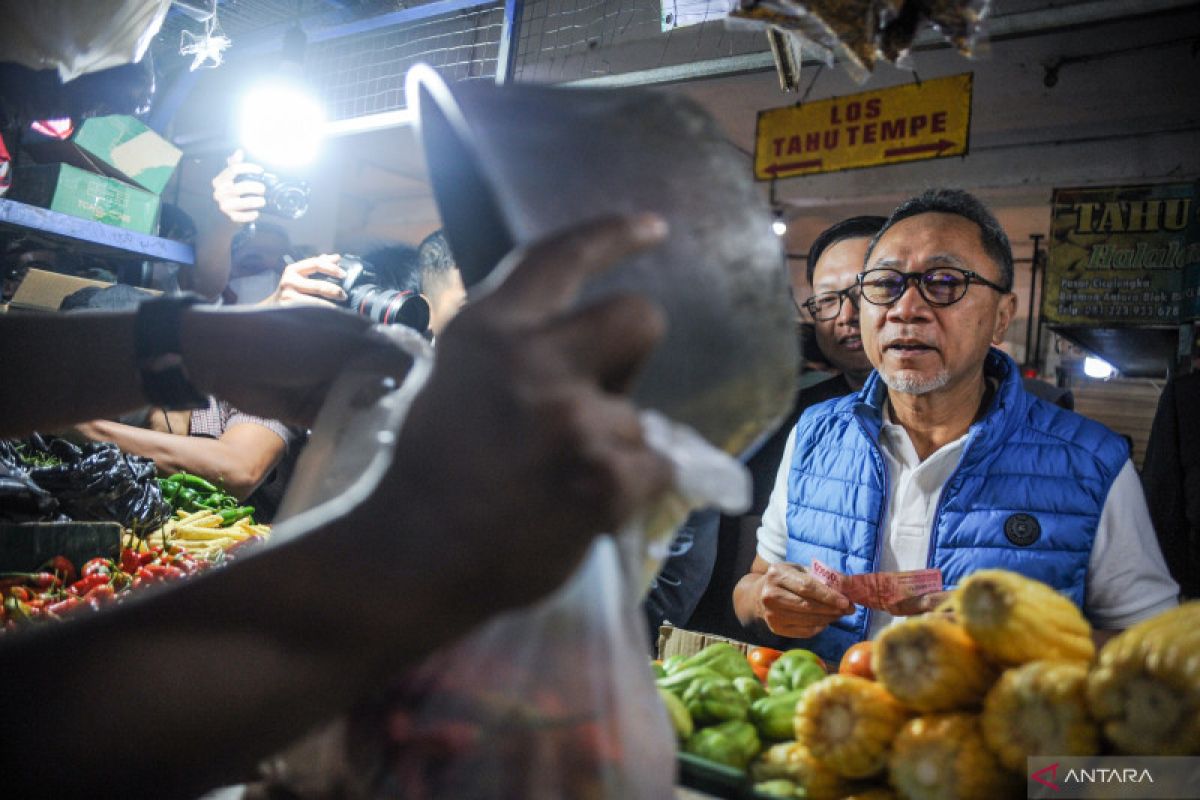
(1124, 255)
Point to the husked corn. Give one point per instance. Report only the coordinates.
(1040, 708)
(943, 757)
(848, 724)
(930, 664)
(1015, 619)
(1145, 689)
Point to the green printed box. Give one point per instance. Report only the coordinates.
(63, 188)
(117, 146)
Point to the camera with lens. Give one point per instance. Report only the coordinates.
(376, 303)
(285, 196)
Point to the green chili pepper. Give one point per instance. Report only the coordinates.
(232, 515)
(196, 482)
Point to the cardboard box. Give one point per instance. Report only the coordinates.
(66, 189)
(44, 291)
(678, 641)
(118, 146)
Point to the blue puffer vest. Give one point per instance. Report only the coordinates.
(1024, 457)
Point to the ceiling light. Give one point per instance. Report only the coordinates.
(1097, 368)
(779, 226)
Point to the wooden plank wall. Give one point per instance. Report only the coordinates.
(1126, 406)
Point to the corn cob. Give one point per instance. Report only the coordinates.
(791, 760)
(1040, 708)
(1015, 619)
(848, 724)
(943, 757)
(931, 664)
(1145, 690)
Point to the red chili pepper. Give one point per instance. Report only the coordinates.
(85, 585)
(164, 571)
(21, 593)
(44, 580)
(63, 606)
(62, 567)
(146, 558)
(129, 560)
(100, 596)
(144, 577)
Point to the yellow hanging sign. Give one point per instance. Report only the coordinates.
(912, 122)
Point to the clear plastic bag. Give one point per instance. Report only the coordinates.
(555, 701)
(551, 701)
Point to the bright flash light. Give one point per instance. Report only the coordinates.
(779, 227)
(1097, 368)
(281, 123)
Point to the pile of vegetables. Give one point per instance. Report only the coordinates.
(725, 705)
(208, 529)
(191, 493)
(951, 704)
(57, 590)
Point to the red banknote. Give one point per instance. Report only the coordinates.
(879, 589)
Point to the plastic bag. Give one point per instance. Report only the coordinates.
(76, 38)
(21, 499)
(552, 701)
(98, 482)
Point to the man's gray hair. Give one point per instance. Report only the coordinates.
(965, 205)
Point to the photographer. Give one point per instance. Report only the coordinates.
(242, 266)
(248, 456)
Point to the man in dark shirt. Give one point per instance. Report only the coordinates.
(834, 261)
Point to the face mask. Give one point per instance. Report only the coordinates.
(254, 288)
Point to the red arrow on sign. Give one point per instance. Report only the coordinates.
(938, 147)
(776, 168)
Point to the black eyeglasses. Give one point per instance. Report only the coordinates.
(827, 305)
(940, 287)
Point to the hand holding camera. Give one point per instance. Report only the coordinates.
(238, 192)
(345, 280)
(242, 190)
(313, 281)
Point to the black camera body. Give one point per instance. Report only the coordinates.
(380, 305)
(285, 197)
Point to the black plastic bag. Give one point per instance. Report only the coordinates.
(98, 483)
(21, 499)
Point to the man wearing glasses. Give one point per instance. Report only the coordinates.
(943, 459)
(834, 261)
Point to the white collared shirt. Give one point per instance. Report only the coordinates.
(1127, 579)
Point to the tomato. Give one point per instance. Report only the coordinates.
(761, 659)
(857, 661)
